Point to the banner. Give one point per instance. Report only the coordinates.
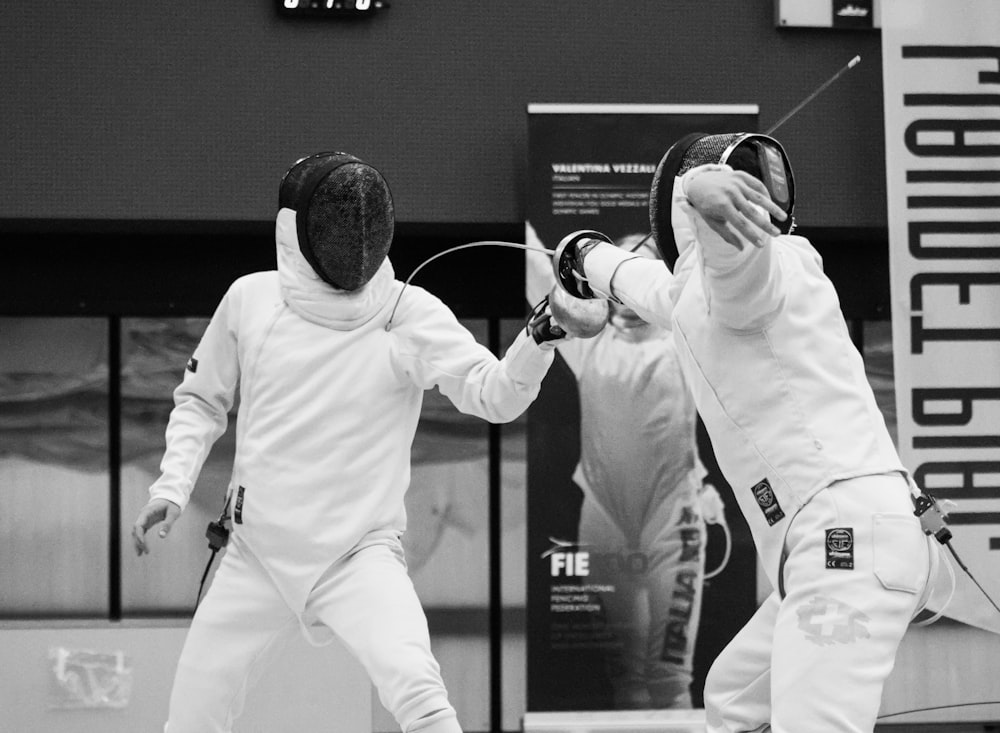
(941, 68)
(630, 596)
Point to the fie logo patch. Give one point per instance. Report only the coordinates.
(566, 559)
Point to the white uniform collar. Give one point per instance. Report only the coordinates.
(317, 301)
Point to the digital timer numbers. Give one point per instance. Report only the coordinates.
(332, 6)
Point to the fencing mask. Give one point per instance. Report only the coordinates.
(343, 216)
(759, 155)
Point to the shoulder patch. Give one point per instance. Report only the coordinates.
(767, 501)
(192, 365)
(840, 548)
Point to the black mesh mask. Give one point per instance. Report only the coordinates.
(759, 155)
(344, 216)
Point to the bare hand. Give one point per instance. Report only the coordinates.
(156, 511)
(735, 205)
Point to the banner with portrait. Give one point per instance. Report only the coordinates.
(630, 595)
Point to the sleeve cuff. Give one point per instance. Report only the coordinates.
(601, 264)
(528, 362)
(162, 492)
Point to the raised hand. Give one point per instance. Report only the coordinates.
(735, 205)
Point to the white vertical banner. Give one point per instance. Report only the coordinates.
(941, 64)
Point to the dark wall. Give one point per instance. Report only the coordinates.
(183, 268)
(192, 110)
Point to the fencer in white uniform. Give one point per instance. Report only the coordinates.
(642, 484)
(329, 401)
(796, 430)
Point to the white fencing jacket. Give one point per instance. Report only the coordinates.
(329, 404)
(766, 351)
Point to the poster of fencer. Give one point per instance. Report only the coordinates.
(639, 566)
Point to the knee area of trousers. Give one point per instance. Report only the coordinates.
(440, 721)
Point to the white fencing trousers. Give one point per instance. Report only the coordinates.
(816, 660)
(366, 599)
(655, 604)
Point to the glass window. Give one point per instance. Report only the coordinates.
(447, 548)
(447, 545)
(514, 547)
(154, 352)
(54, 430)
(54, 466)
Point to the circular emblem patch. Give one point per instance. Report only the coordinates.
(765, 497)
(839, 540)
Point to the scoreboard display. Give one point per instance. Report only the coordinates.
(331, 8)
